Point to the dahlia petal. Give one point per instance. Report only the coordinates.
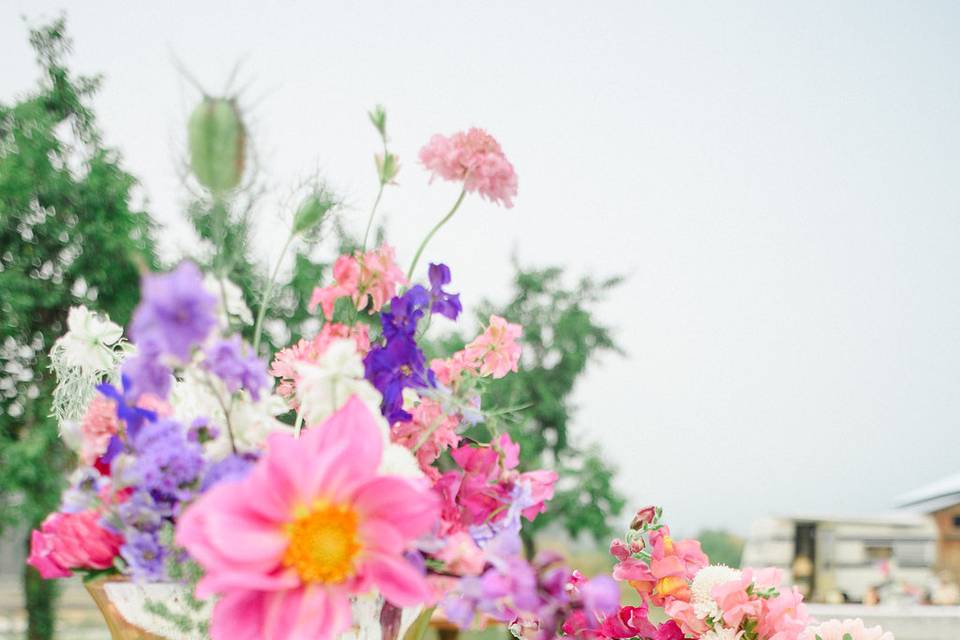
(226, 581)
(398, 581)
(399, 501)
(238, 616)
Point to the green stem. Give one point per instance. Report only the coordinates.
(258, 328)
(373, 211)
(423, 245)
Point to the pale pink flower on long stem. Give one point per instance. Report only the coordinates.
(475, 158)
(313, 524)
(98, 425)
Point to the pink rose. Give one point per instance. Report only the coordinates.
(68, 541)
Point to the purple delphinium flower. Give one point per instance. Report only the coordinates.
(405, 312)
(399, 363)
(134, 417)
(441, 302)
(165, 463)
(229, 360)
(82, 493)
(393, 367)
(146, 372)
(144, 555)
(233, 467)
(175, 311)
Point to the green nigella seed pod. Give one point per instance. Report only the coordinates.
(217, 141)
(311, 212)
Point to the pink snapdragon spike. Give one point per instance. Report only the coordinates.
(313, 524)
(369, 279)
(496, 351)
(474, 158)
(68, 541)
(673, 564)
(840, 629)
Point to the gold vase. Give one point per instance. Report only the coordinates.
(119, 628)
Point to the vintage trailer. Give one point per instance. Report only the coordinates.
(848, 559)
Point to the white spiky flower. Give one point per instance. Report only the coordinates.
(91, 349)
(704, 605)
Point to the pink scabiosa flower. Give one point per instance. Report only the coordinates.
(839, 630)
(311, 525)
(370, 279)
(496, 350)
(68, 541)
(475, 158)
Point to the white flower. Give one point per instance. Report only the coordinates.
(236, 306)
(722, 633)
(89, 341)
(704, 605)
(326, 386)
(91, 349)
(198, 395)
(837, 630)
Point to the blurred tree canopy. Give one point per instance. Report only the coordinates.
(68, 236)
(721, 546)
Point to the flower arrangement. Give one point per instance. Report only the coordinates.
(342, 483)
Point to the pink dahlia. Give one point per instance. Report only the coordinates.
(68, 541)
(473, 157)
(837, 630)
(312, 525)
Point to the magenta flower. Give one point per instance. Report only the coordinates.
(473, 157)
(312, 524)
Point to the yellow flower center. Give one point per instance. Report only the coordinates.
(323, 543)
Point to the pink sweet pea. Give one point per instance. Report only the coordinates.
(370, 279)
(312, 525)
(429, 433)
(734, 601)
(496, 350)
(68, 541)
(784, 617)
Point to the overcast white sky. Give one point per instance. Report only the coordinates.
(781, 182)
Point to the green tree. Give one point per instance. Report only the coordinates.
(68, 235)
(721, 546)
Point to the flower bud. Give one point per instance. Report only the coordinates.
(217, 144)
(387, 167)
(311, 212)
(619, 550)
(644, 517)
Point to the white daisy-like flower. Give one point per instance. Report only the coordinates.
(704, 605)
(230, 300)
(326, 386)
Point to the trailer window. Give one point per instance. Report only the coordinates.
(875, 553)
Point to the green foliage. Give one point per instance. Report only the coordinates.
(561, 336)
(722, 547)
(68, 236)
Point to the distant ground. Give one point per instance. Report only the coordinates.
(79, 618)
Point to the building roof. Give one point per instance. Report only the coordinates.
(933, 497)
